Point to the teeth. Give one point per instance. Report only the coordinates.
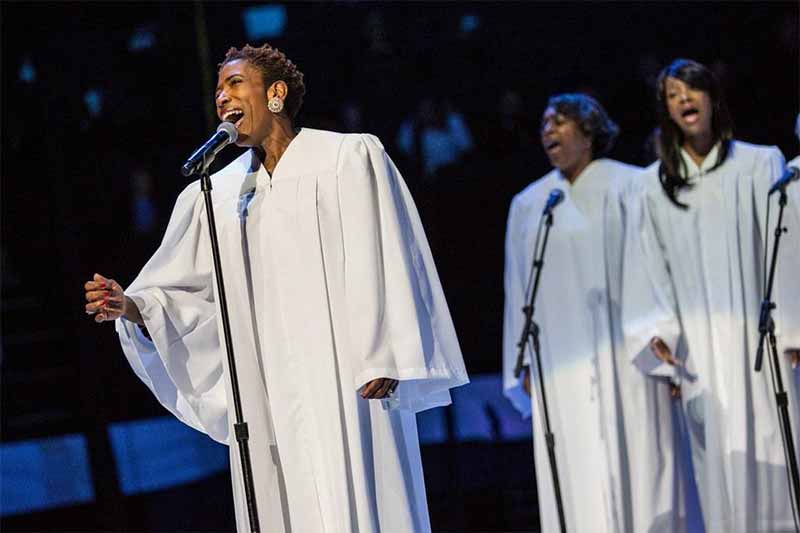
(232, 112)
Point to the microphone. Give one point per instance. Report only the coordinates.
(555, 198)
(225, 135)
(791, 174)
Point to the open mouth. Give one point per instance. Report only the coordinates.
(690, 115)
(234, 116)
(551, 145)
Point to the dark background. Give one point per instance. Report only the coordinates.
(68, 177)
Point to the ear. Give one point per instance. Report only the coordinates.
(279, 89)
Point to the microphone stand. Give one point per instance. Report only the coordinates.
(240, 427)
(766, 328)
(530, 332)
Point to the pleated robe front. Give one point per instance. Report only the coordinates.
(330, 284)
(575, 309)
(695, 278)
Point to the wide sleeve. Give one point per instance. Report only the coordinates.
(181, 362)
(513, 316)
(399, 324)
(649, 307)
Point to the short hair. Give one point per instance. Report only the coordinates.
(590, 116)
(274, 66)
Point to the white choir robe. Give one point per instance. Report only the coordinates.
(787, 314)
(694, 278)
(575, 310)
(330, 283)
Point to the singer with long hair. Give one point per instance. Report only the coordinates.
(694, 276)
(339, 322)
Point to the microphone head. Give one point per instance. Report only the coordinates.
(555, 198)
(556, 195)
(230, 129)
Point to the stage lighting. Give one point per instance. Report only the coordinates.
(27, 72)
(264, 22)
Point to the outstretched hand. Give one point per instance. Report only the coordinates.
(105, 297)
(379, 388)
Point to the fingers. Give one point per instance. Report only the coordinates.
(388, 387)
(369, 390)
(662, 351)
(93, 296)
(378, 388)
(105, 298)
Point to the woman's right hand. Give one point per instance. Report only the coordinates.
(106, 299)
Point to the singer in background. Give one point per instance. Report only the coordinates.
(576, 309)
(339, 322)
(694, 275)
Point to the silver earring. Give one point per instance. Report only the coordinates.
(275, 105)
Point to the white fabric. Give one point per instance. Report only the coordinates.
(330, 283)
(577, 300)
(694, 277)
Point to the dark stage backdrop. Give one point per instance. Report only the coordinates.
(102, 101)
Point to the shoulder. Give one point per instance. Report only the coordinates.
(743, 151)
(612, 166)
(619, 177)
(360, 150)
(648, 178)
(359, 143)
(536, 192)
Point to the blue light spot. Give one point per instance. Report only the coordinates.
(94, 101)
(142, 39)
(27, 72)
(482, 413)
(163, 452)
(470, 23)
(44, 473)
(265, 22)
(432, 426)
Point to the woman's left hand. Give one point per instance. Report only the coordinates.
(379, 388)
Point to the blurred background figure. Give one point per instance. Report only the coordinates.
(435, 136)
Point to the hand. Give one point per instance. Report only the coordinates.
(379, 388)
(662, 351)
(106, 299)
(794, 356)
(526, 380)
(675, 391)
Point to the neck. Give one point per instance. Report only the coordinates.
(571, 174)
(698, 147)
(276, 142)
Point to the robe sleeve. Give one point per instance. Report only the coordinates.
(181, 362)
(649, 307)
(513, 316)
(399, 325)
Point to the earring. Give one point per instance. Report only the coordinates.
(275, 105)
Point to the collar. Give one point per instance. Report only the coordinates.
(692, 169)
